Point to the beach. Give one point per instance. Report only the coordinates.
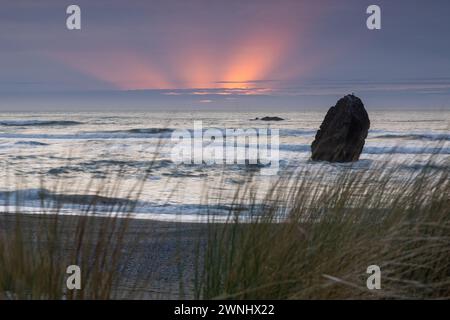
(224, 150)
(102, 192)
(153, 252)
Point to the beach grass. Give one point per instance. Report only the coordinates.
(37, 249)
(312, 237)
(319, 243)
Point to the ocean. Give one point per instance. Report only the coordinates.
(69, 157)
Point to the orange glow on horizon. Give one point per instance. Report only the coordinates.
(251, 56)
(254, 58)
(123, 71)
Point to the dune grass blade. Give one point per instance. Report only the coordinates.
(319, 244)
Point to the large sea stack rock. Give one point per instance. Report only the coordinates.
(343, 132)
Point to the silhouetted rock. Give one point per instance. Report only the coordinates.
(271, 119)
(343, 132)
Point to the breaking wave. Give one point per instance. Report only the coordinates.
(406, 150)
(39, 123)
(142, 131)
(31, 143)
(415, 136)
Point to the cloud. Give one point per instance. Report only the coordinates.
(322, 87)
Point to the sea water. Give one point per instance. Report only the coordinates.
(68, 157)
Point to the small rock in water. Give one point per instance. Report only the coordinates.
(272, 119)
(342, 134)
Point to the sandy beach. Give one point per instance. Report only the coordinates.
(156, 255)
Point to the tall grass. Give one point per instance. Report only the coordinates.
(312, 237)
(35, 250)
(317, 240)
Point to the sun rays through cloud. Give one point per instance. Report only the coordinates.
(238, 59)
(251, 59)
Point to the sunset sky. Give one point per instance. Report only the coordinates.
(222, 54)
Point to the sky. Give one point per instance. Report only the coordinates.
(222, 54)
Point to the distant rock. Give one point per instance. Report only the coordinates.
(342, 134)
(271, 119)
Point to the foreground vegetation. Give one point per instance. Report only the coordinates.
(35, 250)
(312, 241)
(330, 234)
